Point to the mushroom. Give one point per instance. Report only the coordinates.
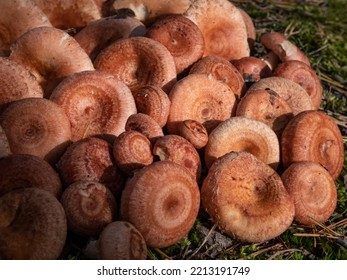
(32, 225)
(36, 126)
(313, 136)
(181, 37)
(194, 132)
(240, 134)
(313, 190)
(282, 47)
(16, 83)
(246, 198)
(91, 159)
(96, 104)
(223, 71)
(154, 102)
(250, 29)
(138, 61)
(179, 150)
(267, 106)
(303, 75)
(296, 97)
(163, 208)
(146, 125)
(202, 98)
(27, 171)
(132, 150)
(119, 240)
(50, 55)
(89, 207)
(222, 26)
(4, 146)
(99, 34)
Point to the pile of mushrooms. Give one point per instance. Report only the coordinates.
(121, 121)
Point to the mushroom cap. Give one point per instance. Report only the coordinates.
(32, 225)
(27, 171)
(36, 126)
(313, 190)
(50, 54)
(313, 136)
(240, 134)
(120, 240)
(89, 207)
(282, 47)
(138, 61)
(90, 159)
(266, 106)
(202, 98)
(296, 97)
(4, 146)
(252, 68)
(223, 71)
(181, 37)
(17, 17)
(163, 208)
(246, 198)
(250, 28)
(304, 75)
(99, 34)
(153, 101)
(194, 132)
(16, 82)
(96, 104)
(222, 26)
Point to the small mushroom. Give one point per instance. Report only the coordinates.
(163, 208)
(132, 150)
(27, 171)
(96, 104)
(32, 225)
(181, 37)
(194, 132)
(222, 26)
(138, 61)
(303, 75)
(36, 126)
(154, 102)
(4, 146)
(313, 190)
(240, 134)
(246, 198)
(313, 136)
(223, 71)
(89, 207)
(202, 98)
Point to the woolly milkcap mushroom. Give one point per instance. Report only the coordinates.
(32, 225)
(181, 37)
(36, 126)
(250, 28)
(27, 171)
(96, 104)
(4, 146)
(154, 102)
(17, 17)
(194, 132)
(222, 26)
(138, 61)
(282, 47)
(246, 198)
(313, 136)
(303, 75)
(119, 240)
(240, 134)
(90, 159)
(163, 208)
(223, 71)
(16, 83)
(99, 34)
(296, 97)
(266, 106)
(89, 207)
(202, 98)
(132, 150)
(313, 190)
(50, 55)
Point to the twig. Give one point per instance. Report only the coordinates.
(203, 242)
